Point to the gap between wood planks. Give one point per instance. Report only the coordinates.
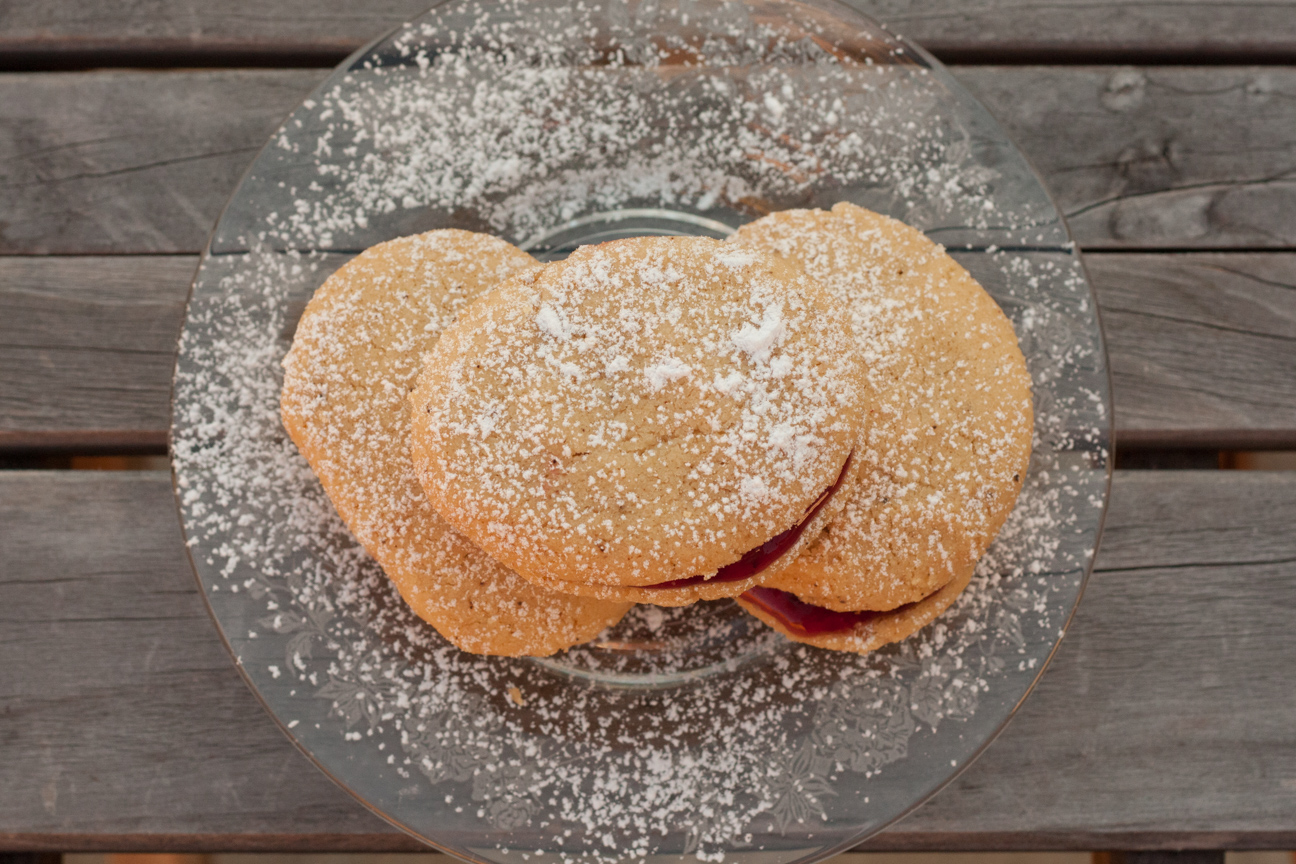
(176, 54)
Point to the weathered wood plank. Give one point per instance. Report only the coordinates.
(1057, 30)
(99, 680)
(1201, 348)
(137, 162)
(126, 162)
(87, 347)
(1164, 722)
(1167, 158)
(331, 28)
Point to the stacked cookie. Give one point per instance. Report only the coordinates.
(823, 417)
(947, 445)
(355, 356)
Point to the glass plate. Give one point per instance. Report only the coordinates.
(681, 733)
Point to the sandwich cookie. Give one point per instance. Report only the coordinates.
(861, 631)
(358, 348)
(949, 436)
(657, 419)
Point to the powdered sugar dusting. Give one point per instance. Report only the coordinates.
(551, 323)
(786, 755)
(758, 341)
(658, 374)
(628, 479)
(359, 671)
(733, 112)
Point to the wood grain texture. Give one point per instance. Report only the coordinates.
(335, 27)
(1201, 346)
(1164, 722)
(1157, 158)
(124, 162)
(87, 347)
(1168, 158)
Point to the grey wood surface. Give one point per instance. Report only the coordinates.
(1159, 158)
(87, 347)
(1166, 719)
(1164, 722)
(1202, 347)
(329, 28)
(1154, 158)
(128, 162)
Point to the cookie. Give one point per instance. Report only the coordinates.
(862, 631)
(358, 348)
(658, 419)
(949, 437)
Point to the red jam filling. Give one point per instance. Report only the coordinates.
(806, 619)
(768, 552)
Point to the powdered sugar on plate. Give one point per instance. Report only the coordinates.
(731, 108)
(722, 741)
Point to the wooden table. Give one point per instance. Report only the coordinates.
(1167, 132)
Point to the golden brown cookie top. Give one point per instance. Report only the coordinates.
(357, 351)
(647, 410)
(948, 391)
